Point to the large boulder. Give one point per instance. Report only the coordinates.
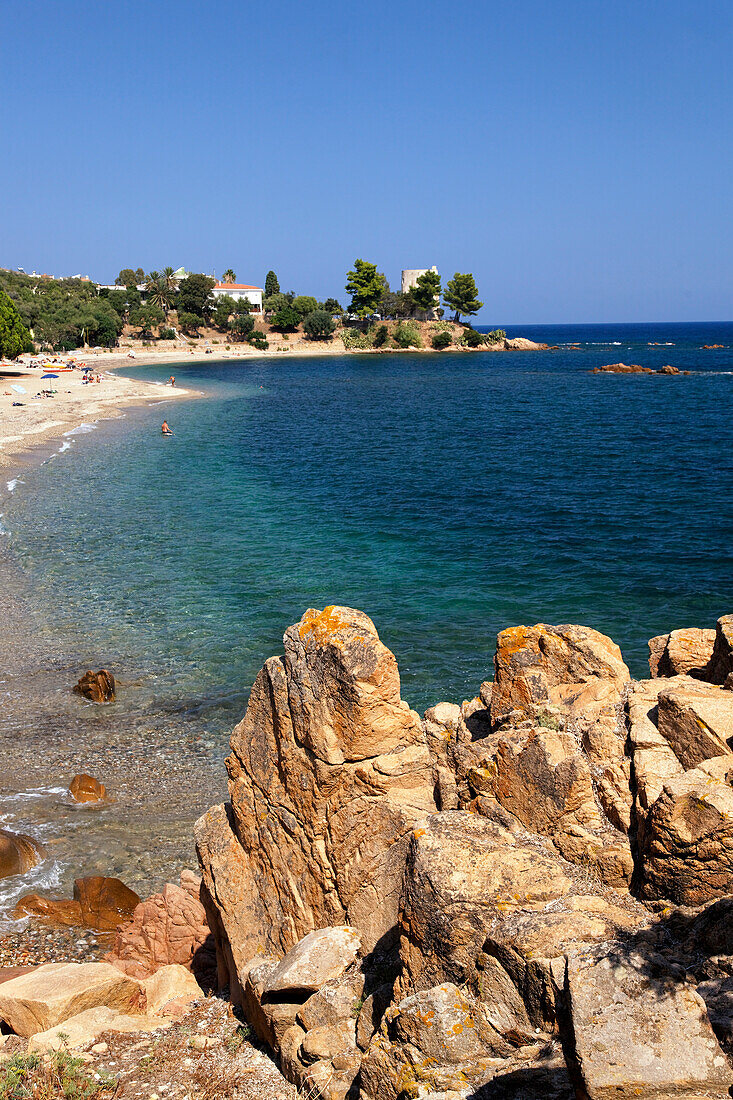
(638, 1031)
(493, 908)
(99, 902)
(686, 843)
(169, 927)
(18, 853)
(654, 761)
(328, 771)
(544, 778)
(685, 652)
(319, 957)
(544, 665)
(55, 992)
(696, 720)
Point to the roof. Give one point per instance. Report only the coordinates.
(235, 286)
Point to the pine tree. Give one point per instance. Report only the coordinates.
(460, 295)
(272, 286)
(14, 336)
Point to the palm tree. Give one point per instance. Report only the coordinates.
(158, 291)
(170, 279)
(229, 276)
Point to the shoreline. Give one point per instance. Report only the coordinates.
(26, 427)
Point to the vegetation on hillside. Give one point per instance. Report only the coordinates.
(14, 336)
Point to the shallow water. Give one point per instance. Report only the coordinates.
(447, 496)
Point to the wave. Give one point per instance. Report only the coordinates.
(65, 446)
(82, 429)
(12, 483)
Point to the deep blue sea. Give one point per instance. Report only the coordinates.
(448, 496)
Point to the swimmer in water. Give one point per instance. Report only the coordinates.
(165, 429)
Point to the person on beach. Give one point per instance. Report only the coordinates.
(171, 381)
(165, 429)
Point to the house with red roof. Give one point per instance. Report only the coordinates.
(237, 291)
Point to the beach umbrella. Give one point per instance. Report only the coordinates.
(19, 389)
(48, 376)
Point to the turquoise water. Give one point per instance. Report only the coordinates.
(447, 496)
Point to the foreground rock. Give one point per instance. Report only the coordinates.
(636, 1031)
(100, 686)
(328, 772)
(682, 652)
(18, 853)
(53, 993)
(100, 903)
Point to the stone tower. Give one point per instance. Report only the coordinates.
(409, 278)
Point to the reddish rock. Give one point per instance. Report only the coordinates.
(721, 662)
(169, 927)
(100, 686)
(84, 788)
(99, 903)
(18, 853)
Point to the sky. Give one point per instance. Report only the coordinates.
(575, 155)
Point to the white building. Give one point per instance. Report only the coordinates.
(237, 291)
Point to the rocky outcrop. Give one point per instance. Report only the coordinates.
(521, 343)
(99, 903)
(328, 771)
(18, 853)
(494, 902)
(635, 368)
(85, 788)
(167, 928)
(100, 686)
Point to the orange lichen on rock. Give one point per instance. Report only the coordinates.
(321, 626)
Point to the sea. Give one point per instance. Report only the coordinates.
(448, 496)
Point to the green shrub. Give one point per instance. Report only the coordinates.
(496, 336)
(286, 319)
(380, 336)
(318, 325)
(441, 340)
(258, 340)
(354, 338)
(243, 325)
(167, 334)
(472, 339)
(407, 335)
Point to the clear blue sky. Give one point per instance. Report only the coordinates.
(576, 155)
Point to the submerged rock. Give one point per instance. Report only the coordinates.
(18, 853)
(85, 788)
(100, 686)
(99, 903)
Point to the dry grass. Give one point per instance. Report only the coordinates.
(55, 1076)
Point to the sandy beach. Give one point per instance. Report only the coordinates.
(27, 420)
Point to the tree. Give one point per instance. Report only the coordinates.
(169, 278)
(229, 276)
(460, 295)
(139, 275)
(425, 295)
(332, 306)
(225, 307)
(286, 319)
(393, 304)
(318, 325)
(304, 304)
(272, 286)
(194, 295)
(126, 277)
(243, 325)
(158, 292)
(146, 317)
(275, 302)
(243, 305)
(365, 285)
(441, 340)
(14, 336)
(189, 322)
